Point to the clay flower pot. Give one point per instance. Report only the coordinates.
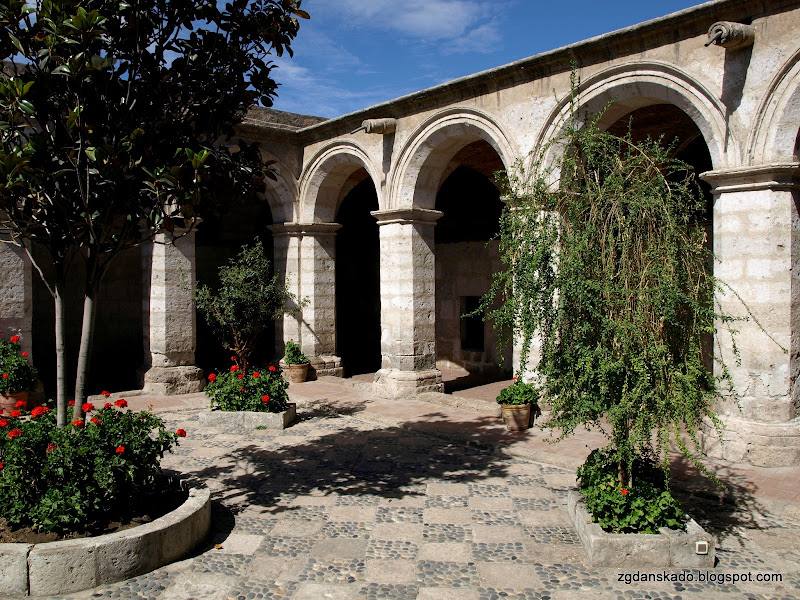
(8, 400)
(516, 416)
(298, 372)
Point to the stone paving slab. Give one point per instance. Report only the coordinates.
(338, 507)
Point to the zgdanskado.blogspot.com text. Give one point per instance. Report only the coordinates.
(698, 576)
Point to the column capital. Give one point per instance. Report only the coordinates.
(775, 177)
(301, 229)
(419, 216)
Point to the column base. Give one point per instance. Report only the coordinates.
(754, 442)
(322, 366)
(393, 383)
(169, 381)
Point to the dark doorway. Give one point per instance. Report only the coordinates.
(358, 300)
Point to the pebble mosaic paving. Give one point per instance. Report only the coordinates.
(337, 507)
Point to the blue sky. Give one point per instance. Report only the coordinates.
(356, 53)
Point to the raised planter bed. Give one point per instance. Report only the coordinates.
(238, 420)
(693, 548)
(67, 566)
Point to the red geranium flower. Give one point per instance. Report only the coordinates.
(78, 423)
(212, 378)
(15, 413)
(24, 354)
(5, 375)
(50, 447)
(120, 450)
(71, 403)
(272, 369)
(624, 492)
(87, 407)
(14, 339)
(108, 405)
(265, 399)
(241, 375)
(20, 404)
(121, 403)
(241, 389)
(39, 411)
(105, 393)
(96, 421)
(1, 465)
(3, 423)
(181, 432)
(234, 368)
(14, 433)
(233, 357)
(256, 374)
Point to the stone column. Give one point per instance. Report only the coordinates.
(408, 304)
(168, 269)
(306, 254)
(16, 292)
(757, 248)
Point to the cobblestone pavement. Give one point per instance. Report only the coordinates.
(339, 508)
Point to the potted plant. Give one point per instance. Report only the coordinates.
(296, 361)
(519, 403)
(17, 376)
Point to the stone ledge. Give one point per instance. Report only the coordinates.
(238, 420)
(69, 566)
(479, 406)
(670, 548)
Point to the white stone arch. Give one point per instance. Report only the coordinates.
(282, 192)
(624, 88)
(774, 136)
(419, 170)
(323, 179)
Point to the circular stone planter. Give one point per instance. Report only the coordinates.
(68, 566)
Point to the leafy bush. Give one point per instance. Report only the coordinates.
(256, 390)
(293, 355)
(643, 507)
(519, 393)
(66, 479)
(16, 373)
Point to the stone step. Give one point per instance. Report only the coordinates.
(479, 406)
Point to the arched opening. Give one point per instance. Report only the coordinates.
(358, 305)
(219, 238)
(466, 258)
(673, 126)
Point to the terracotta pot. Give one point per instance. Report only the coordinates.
(516, 416)
(298, 373)
(9, 399)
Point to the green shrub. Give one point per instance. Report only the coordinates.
(255, 390)
(16, 373)
(58, 480)
(519, 393)
(643, 507)
(293, 356)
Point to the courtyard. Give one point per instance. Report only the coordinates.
(364, 498)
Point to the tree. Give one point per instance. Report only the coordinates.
(117, 119)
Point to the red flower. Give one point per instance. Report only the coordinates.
(234, 368)
(108, 405)
(624, 492)
(212, 378)
(71, 403)
(14, 433)
(121, 403)
(272, 369)
(50, 447)
(104, 393)
(1, 465)
(241, 375)
(14, 339)
(256, 374)
(120, 450)
(39, 411)
(233, 357)
(20, 404)
(5, 375)
(181, 432)
(24, 354)
(15, 413)
(88, 407)
(78, 423)
(96, 421)
(3, 423)
(241, 389)
(265, 399)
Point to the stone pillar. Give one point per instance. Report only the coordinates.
(408, 304)
(306, 254)
(169, 323)
(16, 292)
(757, 248)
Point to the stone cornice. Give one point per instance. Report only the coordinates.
(407, 215)
(296, 229)
(778, 177)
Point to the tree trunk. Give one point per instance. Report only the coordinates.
(87, 334)
(61, 358)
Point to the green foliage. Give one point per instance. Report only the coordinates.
(16, 373)
(644, 506)
(606, 265)
(62, 479)
(245, 302)
(293, 356)
(240, 389)
(519, 393)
